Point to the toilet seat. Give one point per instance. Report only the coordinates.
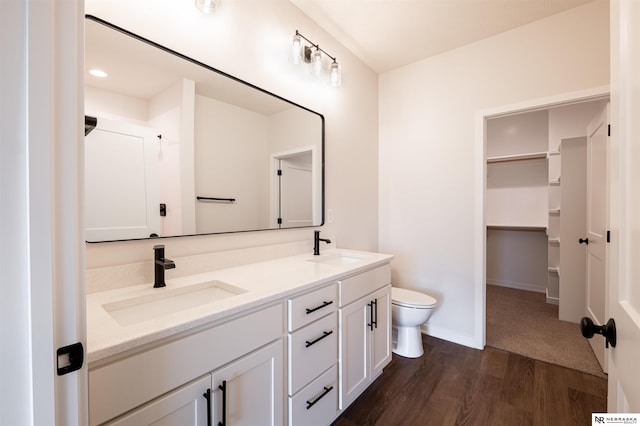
(411, 299)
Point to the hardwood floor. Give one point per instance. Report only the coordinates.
(456, 385)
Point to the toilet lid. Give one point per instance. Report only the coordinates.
(411, 298)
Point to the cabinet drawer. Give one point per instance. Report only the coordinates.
(316, 404)
(312, 350)
(311, 306)
(355, 287)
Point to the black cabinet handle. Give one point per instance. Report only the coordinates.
(583, 241)
(373, 314)
(313, 342)
(324, 304)
(375, 310)
(207, 396)
(223, 388)
(319, 397)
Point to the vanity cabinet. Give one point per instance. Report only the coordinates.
(365, 321)
(298, 360)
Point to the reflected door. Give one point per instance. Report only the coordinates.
(296, 207)
(121, 182)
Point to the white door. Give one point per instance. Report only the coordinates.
(597, 140)
(296, 205)
(42, 263)
(121, 182)
(624, 253)
(250, 391)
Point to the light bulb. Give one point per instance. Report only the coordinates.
(317, 62)
(207, 6)
(98, 73)
(296, 49)
(335, 74)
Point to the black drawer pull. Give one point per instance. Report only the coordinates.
(319, 397)
(313, 342)
(309, 310)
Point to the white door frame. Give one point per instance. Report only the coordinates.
(42, 297)
(316, 181)
(480, 248)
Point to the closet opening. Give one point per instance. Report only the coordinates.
(536, 211)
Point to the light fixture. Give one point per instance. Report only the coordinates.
(207, 6)
(311, 53)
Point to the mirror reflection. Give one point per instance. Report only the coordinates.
(173, 147)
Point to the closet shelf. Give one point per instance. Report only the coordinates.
(554, 212)
(517, 157)
(529, 228)
(555, 270)
(555, 182)
(554, 153)
(554, 241)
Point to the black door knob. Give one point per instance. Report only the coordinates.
(588, 329)
(584, 241)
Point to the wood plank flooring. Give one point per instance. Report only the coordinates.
(457, 385)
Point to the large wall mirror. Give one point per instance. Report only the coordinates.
(174, 147)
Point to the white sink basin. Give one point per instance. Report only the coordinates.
(338, 259)
(165, 301)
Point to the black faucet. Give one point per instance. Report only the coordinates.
(316, 242)
(160, 264)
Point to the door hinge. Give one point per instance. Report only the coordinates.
(163, 209)
(279, 221)
(279, 172)
(608, 236)
(70, 358)
(608, 129)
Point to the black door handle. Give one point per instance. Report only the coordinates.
(584, 241)
(588, 329)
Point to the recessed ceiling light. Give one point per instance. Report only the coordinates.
(98, 73)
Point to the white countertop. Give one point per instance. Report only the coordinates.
(264, 282)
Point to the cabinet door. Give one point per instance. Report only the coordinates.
(381, 335)
(250, 390)
(186, 406)
(354, 354)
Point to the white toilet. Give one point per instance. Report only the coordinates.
(409, 310)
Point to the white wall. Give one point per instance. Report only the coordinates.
(251, 40)
(231, 162)
(429, 197)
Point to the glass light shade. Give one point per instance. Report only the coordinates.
(296, 50)
(335, 74)
(207, 6)
(317, 62)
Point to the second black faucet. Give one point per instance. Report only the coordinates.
(316, 242)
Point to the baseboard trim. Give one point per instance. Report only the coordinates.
(451, 336)
(516, 285)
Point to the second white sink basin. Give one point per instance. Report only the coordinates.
(338, 259)
(165, 301)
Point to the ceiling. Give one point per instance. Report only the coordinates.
(388, 34)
